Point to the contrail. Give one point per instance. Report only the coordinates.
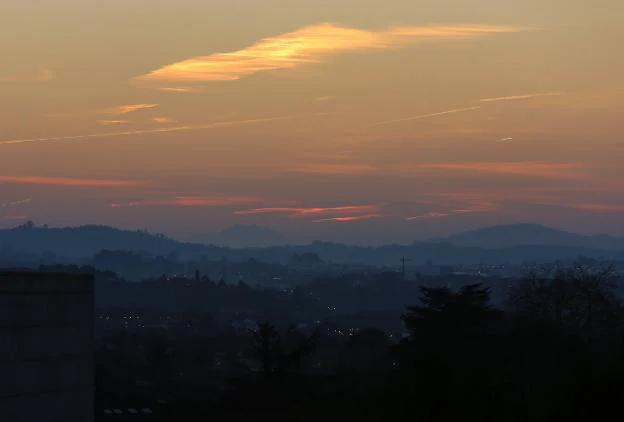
(424, 116)
(160, 130)
(521, 97)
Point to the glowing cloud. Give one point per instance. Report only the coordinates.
(311, 44)
(349, 218)
(113, 122)
(66, 181)
(178, 90)
(128, 108)
(163, 120)
(524, 168)
(311, 211)
(521, 97)
(192, 201)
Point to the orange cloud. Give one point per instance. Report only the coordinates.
(128, 108)
(163, 120)
(521, 97)
(178, 90)
(344, 169)
(310, 44)
(523, 168)
(45, 74)
(349, 218)
(311, 211)
(66, 181)
(191, 201)
(112, 122)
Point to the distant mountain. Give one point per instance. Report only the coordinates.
(511, 235)
(242, 236)
(493, 245)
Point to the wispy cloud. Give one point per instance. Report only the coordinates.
(349, 218)
(606, 208)
(14, 217)
(370, 209)
(191, 201)
(128, 108)
(113, 122)
(429, 215)
(161, 130)
(311, 44)
(426, 116)
(337, 169)
(179, 90)
(521, 97)
(15, 203)
(44, 74)
(522, 168)
(163, 120)
(325, 98)
(66, 181)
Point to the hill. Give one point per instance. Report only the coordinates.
(494, 245)
(511, 235)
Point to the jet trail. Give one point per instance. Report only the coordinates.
(160, 130)
(424, 116)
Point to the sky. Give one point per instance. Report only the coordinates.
(361, 121)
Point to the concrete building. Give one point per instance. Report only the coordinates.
(46, 347)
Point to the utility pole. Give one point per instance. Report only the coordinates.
(403, 261)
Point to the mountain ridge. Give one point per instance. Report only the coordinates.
(84, 242)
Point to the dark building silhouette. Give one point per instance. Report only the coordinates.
(46, 347)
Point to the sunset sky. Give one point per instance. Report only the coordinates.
(363, 121)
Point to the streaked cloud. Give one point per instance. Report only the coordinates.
(128, 108)
(44, 74)
(429, 215)
(16, 203)
(370, 209)
(163, 120)
(179, 90)
(192, 201)
(113, 122)
(67, 181)
(14, 217)
(215, 125)
(522, 168)
(607, 208)
(325, 98)
(338, 169)
(311, 44)
(428, 115)
(349, 218)
(521, 97)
